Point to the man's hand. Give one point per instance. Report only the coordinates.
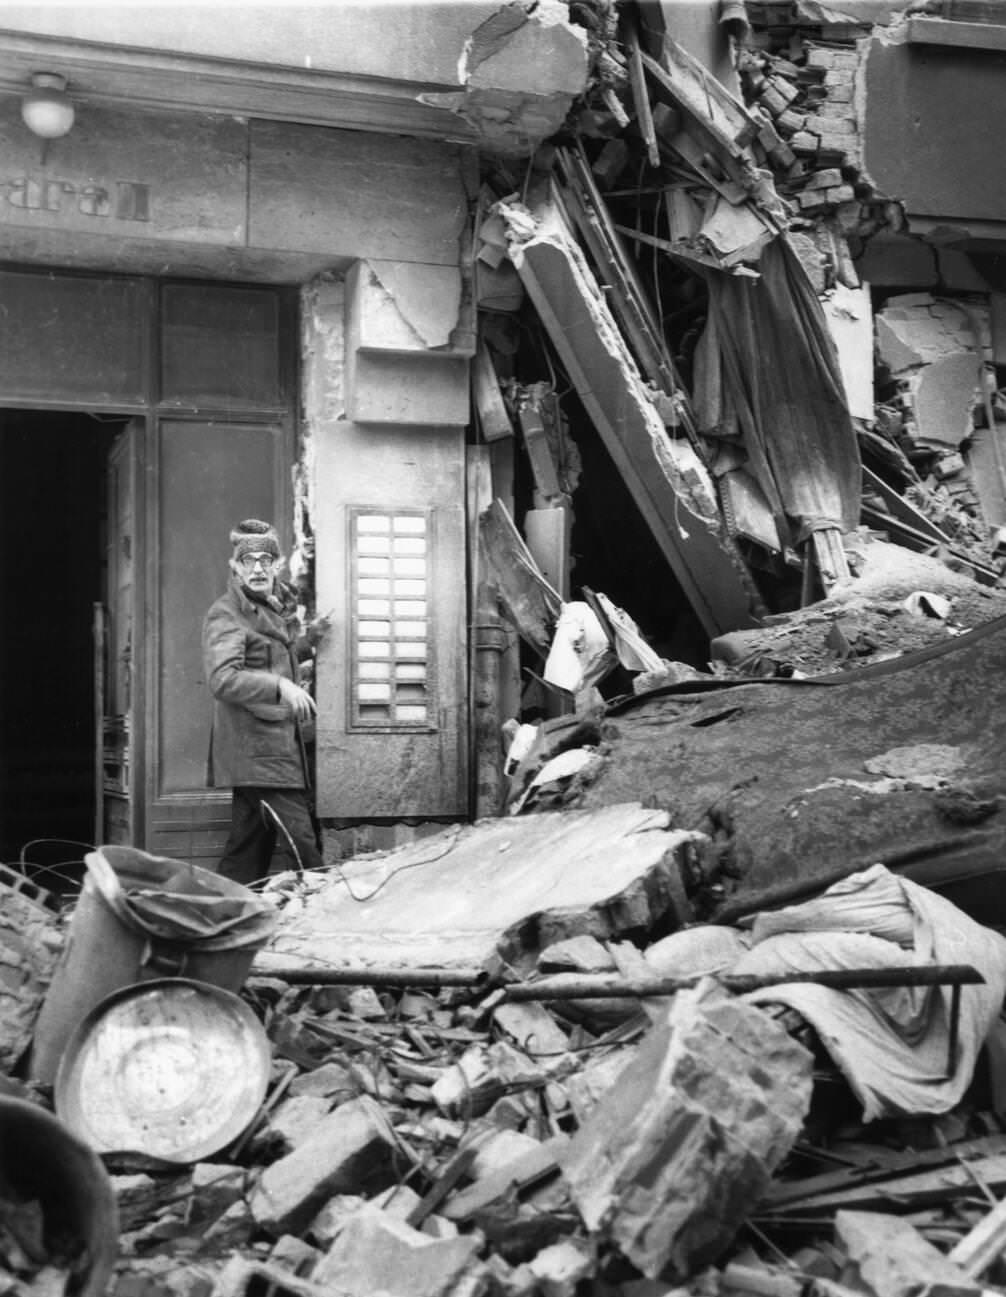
(298, 700)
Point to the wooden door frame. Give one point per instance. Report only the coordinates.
(148, 790)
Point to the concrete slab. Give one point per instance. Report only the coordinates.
(501, 888)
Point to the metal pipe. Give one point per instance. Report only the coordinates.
(602, 987)
(434, 978)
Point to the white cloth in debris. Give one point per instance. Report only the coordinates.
(891, 1044)
(579, 654)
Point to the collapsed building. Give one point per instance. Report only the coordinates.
(625, 379)
(667, 289)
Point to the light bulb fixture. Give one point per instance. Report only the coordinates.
(46, 108)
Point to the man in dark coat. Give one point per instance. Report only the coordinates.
(259, 711)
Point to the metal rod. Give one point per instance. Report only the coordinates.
(603, 987)
(955, 1018)
(429, 977)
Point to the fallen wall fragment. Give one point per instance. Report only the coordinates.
(584, 332)
(673, 1157)
(783, 804)
(547, 876)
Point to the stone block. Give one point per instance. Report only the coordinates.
(482, 1075)
(824, 124)
(895, 1260)
(817, 57)
(791, 120)
(351, 1152)
(497, 1150)
(826, 178)
(332, 1081)
(293, 1254)
(296, 1119)
(672, 1158)
(374, 1253)
(326, 1225)
(561, 1266)
(804, 142)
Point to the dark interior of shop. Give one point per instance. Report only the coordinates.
(52, 470)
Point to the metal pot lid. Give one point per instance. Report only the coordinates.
(171, 1068)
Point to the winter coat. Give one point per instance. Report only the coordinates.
(255, 740)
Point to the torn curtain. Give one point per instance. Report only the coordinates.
(782, 371)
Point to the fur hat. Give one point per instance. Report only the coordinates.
(254, 537)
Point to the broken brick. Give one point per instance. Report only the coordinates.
(352, 1150)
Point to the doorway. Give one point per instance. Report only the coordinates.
(52, 543)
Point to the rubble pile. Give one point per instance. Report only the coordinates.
(790, 1099)
(620, 1118)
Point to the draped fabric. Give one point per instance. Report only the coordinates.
(782, 371)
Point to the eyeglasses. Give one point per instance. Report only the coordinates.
(249, 562)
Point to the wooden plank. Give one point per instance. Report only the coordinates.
(829, 557)
(490, 407)
(532, 604)
(885, 1165)
(982, 1245)
(702, 96)
(548, 538)
(640, 98)
(583, 203)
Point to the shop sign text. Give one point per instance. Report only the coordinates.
(123, 200)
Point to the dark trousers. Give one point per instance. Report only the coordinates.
(255, 837)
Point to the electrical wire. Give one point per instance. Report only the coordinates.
(414, 864)
(336, 869)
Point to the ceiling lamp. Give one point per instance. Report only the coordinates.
(46, 109)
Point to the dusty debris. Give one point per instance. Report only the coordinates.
(467, 1140)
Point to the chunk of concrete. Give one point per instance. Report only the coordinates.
(674, 1156)
(498, 1149)
(532, 1028)
(561, 1266)
(483, 1074)
(521, 71)
(294, 1121)
(895, 1260)
(332, 1081)
(551, 876)
(374, 1253)
(351, 1152)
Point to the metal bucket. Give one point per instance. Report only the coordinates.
(126, 927)
(40, 1160)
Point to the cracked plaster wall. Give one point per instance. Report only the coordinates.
(323, 400)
